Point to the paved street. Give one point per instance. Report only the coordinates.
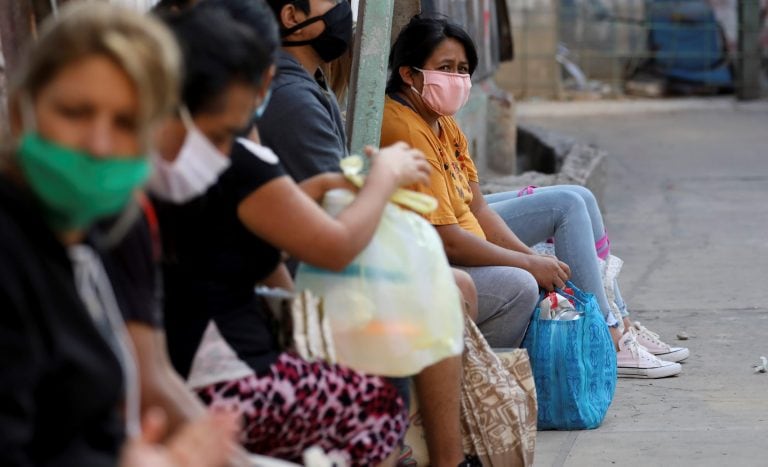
(687, 209)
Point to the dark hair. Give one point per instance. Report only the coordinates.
(418, 40)
(218, 51)
(277, 7)
(256, 15)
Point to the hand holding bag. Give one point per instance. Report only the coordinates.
(395, 309)
(574, 365)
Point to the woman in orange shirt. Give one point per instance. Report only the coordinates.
(431, 63)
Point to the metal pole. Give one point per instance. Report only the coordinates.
(369, 73)
(748, 63)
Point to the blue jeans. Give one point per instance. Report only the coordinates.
(570, 214)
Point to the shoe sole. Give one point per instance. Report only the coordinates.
(674, 357)
(650, 373)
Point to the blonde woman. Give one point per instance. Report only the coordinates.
(82, 109)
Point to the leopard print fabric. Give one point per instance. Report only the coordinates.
(298, 404)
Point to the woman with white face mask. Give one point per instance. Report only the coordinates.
(223, 231)
(490, 237)
(183, 174)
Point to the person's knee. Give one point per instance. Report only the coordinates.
(511, 319)
(522, 291)
(571, 200)
(585, 194)
(529, 291)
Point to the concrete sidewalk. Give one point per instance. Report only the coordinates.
(687, 209)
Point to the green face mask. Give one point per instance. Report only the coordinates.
(76, 188)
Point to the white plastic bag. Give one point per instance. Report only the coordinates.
(557, 307)
(395, 309)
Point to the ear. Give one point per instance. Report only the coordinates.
(407, 75)
(290, 16)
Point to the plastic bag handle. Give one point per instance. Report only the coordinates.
(419, 202)
(544, 293)
(565, 294)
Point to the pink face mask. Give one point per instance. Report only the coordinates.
(444, 93)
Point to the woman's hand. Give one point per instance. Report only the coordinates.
(548, 271)
(406, 165)
(208, 442)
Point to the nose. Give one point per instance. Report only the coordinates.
(101, 138)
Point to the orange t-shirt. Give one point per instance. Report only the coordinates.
(452, 167)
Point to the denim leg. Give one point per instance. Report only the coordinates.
(501, 196)
(619, 300)
(563, 215)
(506, 299)
(595, 216)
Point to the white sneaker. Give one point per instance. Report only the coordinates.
(650, 340)
(636, 362)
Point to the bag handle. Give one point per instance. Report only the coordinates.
(568, 284)
(565, 294)
(352, 167)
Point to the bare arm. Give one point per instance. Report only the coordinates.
(468, 292)
(161, 386)
(494, 227)
(315, 187)
(466, 249)
(287, 218)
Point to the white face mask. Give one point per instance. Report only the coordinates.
(196, 168)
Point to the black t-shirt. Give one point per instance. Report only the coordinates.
(60, 383)
(212, 263)
(134, 273)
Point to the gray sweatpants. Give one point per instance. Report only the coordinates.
(506, 299)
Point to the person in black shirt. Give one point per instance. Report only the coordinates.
(82, 107)
(223, 235)
(132, 265)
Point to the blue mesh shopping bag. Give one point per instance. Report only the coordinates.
(574, 365)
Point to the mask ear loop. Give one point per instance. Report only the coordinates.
(186, 118)
(120, 228)
(133, 211)
(413, 88)
(303, 24)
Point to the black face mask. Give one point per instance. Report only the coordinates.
(335, 39)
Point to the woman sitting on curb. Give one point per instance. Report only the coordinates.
(431, 64)
(83, 106)
(224, 238)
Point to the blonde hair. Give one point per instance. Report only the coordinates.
(140, 45)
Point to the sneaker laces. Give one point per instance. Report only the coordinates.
(632, 344)
(638, 351)
(652, 336)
